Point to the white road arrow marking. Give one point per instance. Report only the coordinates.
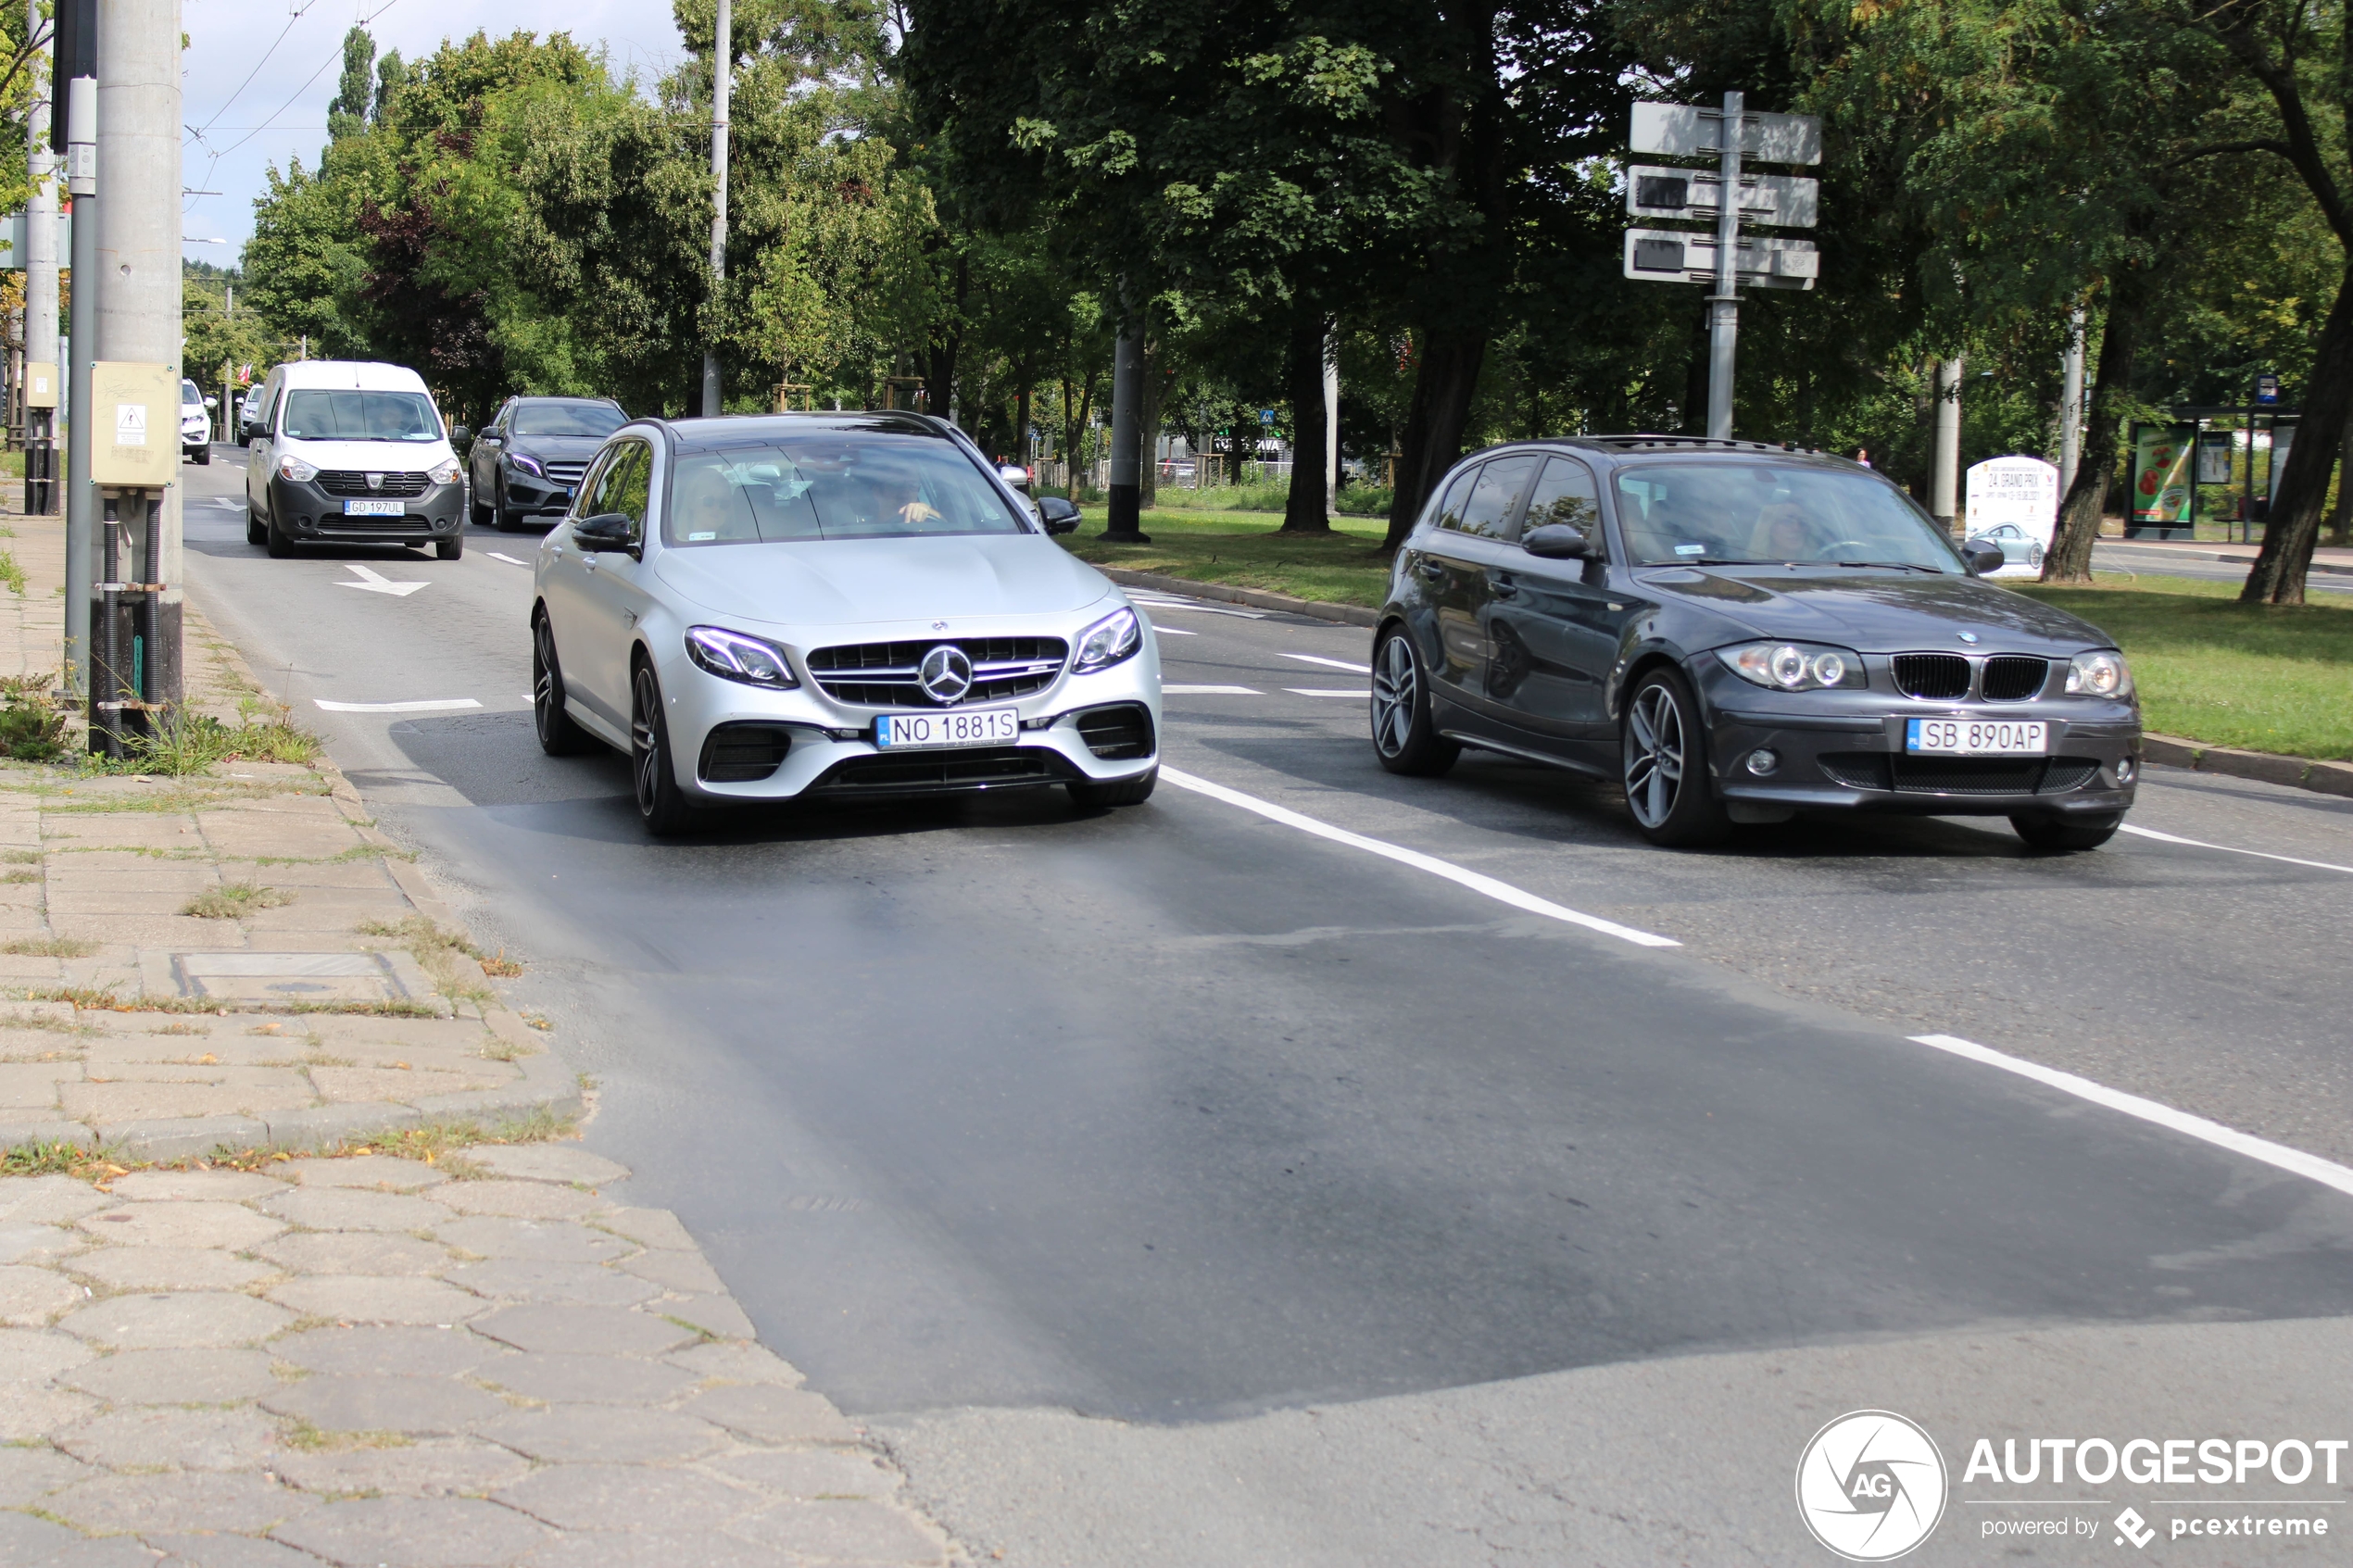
(376, 583)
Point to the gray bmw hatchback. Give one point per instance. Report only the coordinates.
(1737, 632)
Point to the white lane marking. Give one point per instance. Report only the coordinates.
(509, 559)
(228, 502)
(2228, 849)
(376, 583)
(1171, 631)
(1503, 892)
(1205, 610)
(2326, 1171)
(1327, 691)
(1210, 691)
(1330, 663)
(426, 706)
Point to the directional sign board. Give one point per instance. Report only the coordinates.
(1676, 131)
(1782, 201)
(1683, 255)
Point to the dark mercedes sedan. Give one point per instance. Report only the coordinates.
(528, 460)
(1736, 633)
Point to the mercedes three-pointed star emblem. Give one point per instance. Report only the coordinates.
(946, 674)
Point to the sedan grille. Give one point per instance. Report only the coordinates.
(2015, 678)
(884, 675)
(348, 482)
(564, 474)
(1958, 775)
(1942, 677)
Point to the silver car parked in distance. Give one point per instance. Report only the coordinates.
(842, 606)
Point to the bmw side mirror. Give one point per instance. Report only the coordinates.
(1058, 515)
(604, 533)
(1982, 555)
(1557, 541)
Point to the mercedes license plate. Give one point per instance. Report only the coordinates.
(1977, 738)
(373, 509)
(979, 726)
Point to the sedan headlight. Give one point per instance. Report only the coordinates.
(294, 468)
(444, 472)
(731, 656)
(1114, 637)
(2099, 675)
(1795, 667)
(528, 463)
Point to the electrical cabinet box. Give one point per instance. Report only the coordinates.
(40, 385)
(134, 439)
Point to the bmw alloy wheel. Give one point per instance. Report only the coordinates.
(1396, 684)
(1657, 753)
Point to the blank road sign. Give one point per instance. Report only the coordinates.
(1785, 201)
(1678, 130)
(1667, 256)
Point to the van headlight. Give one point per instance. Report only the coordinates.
(1114, 637)
(444, 472)
(2099, 675)
(731, 656)
(294, 468)
(1795, 667)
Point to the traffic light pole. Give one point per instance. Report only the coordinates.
(1724, 305)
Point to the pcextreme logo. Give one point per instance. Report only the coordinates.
(1870, 1485)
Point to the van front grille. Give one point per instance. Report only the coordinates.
(351, 481)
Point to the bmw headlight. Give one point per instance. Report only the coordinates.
(444, 472)
(1114, 637)
(731, 656)
(1795, 667)
(2099, 675)
(294, 468)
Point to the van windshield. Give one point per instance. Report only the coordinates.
(359, 416)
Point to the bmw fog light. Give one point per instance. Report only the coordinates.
(2125, 771)
(1763, 761)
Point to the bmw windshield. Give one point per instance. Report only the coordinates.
(832, 485)
(1766, 513)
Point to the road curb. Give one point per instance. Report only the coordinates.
(2298, 773)
(1257, 598)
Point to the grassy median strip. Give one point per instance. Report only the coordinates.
(1245, 550)
(2261, 677)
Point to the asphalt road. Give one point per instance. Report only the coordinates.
(1031, 1133)
(2143, 560)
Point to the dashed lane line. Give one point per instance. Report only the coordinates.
(2232, 849)
(1488, 887)
(2311, 1166)
(1171, 631)
(1327, 691)
(1331, 663)
(509, 559)
(428, 705)
(1210, 691)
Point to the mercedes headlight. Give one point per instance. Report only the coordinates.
(1114, 637)
(1795, 667)
(526, 462)
(2099, 675)
(294, 468)
(731, 656)
(444, 472)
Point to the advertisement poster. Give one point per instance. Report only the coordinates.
(2160, 475)
(2013, 502)
(2215, 452)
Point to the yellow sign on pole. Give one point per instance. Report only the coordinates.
(40, 385)
(134, 436)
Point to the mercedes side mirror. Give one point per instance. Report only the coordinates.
(603, 533)
(1014, 475)
(1982, 555)
(1558, 541)
(1058, 515)
(458, 433)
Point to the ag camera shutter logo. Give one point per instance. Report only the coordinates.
(1870, 1485)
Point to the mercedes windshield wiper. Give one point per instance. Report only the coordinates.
(1896, 566)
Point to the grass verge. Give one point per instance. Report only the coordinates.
(1245, 550)
(2260, 677)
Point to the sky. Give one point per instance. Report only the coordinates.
(259, 75)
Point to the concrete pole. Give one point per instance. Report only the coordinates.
(139, 258)
(1331, 420)
(82, 499)
(1125, 514)
(1944, 490)
(721, 80)
(2071, 403)
(1724, 305)
(40, 246)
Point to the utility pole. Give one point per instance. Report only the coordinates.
(1724, 305)
(1124, 515)
(1331, 420)
(138, 319)
(77, 67)
(1943, 499)
(2071, 404)
(721, 72)
(40, 291)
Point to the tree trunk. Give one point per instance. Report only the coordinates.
(1304, 510)
(939, 375)
(2341, 525)
(2070, 556)
(2293, 523)
(1444, 381)
(1154, 392)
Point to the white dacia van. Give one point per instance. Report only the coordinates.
(345, 453)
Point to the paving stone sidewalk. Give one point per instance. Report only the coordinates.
(373, 1361)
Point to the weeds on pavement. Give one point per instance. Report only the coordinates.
(234, 900)
(50, 947)
(33, 727)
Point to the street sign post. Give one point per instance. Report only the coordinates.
(1723, 258)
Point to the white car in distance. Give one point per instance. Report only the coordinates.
(838, 605)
